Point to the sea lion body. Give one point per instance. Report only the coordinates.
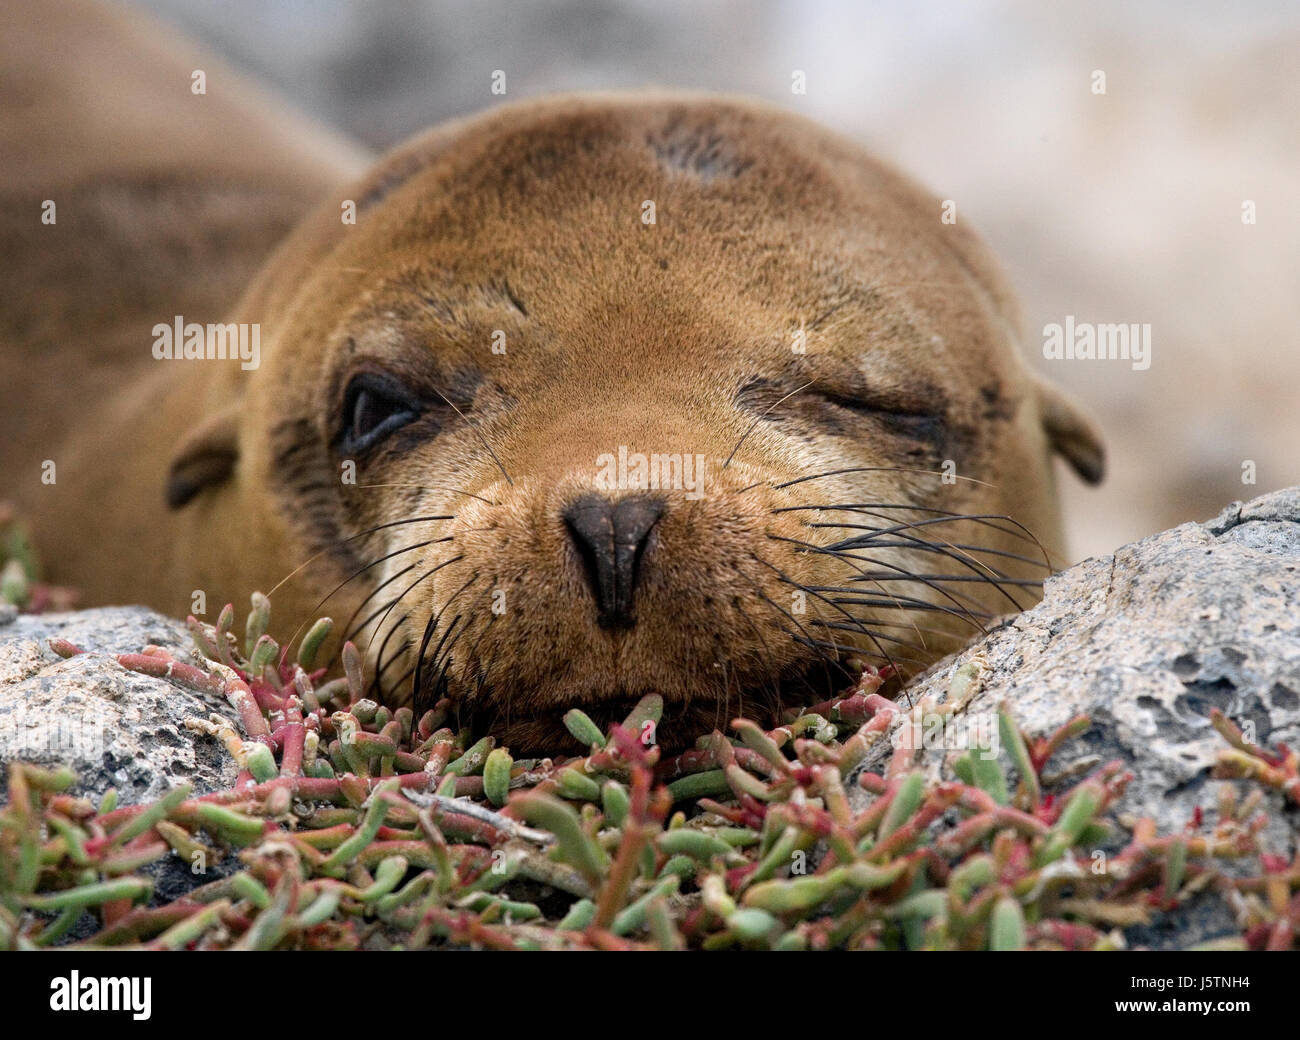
(164, 202)
(456, 394)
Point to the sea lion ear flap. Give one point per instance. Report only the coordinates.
(206, 458)
(1071, 434)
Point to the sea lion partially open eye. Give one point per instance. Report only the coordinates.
(564, 419)
(374, 406)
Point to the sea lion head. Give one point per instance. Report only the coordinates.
(646, 394)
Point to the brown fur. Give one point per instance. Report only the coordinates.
(667, 338)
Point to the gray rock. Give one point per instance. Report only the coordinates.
(1145, 642)
(115, 727)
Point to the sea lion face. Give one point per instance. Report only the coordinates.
(671, 396)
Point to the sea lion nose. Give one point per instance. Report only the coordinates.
(611, 538)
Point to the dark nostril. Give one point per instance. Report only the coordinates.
(590, 521)
(611, 538)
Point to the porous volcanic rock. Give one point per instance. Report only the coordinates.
(115, 727)
(1146, 642)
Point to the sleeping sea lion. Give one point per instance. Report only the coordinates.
(573, 401)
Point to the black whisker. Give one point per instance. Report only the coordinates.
(837, 549)
(1025, 582)
(898, 527)
(430, 628)
(353, 538)
(853, 562)
(877, 469)
(985, 519)
(423, 577)
(349, 631)
(799, 585)
(314, 612)
(814, 548)
(379, 671)
(912, 603)
(424, 645)
(979, 567)
(982, 549)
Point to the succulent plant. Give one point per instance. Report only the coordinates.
(359, 826)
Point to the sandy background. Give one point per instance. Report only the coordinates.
(1123, 207)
